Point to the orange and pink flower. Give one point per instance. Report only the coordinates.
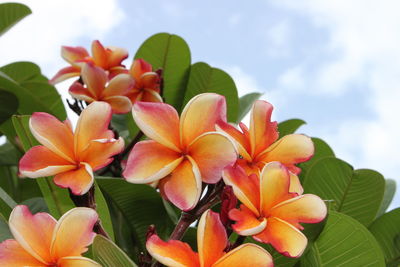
(97, 88)
(40, 240)
(108, 58)
(212, 241)
(271, 211)
(71, 157)
(183, 152)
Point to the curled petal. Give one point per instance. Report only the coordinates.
(200, 115)
(248, 255)
(211, 238)
(159, 122)
(284, 237)
(73, 54)
(295, 185)
(65, 73)
(150, 80)
(139, 67)
(73, 233)
(247, 222)
(79, 180)
(172, 253)
(119, 85)
(183, 186)
(99, 54)
(77, 261)
(95, 79)
(12, 254)
(149, 161)
(240, 139)
(116, 56)
(39, 161)
(151, 96)
(212, 152)
(53, 134)
(33, 232)
(119, 104)
(79, 92)
(99, 152)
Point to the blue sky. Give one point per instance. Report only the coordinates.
(334, 64)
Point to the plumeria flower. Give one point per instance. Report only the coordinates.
(258, 145)
(183, 151)
(108, 58)
(97, 89)
(71, 157)
(270, 212)
(40, 240)
(147, 83)
(211, 242)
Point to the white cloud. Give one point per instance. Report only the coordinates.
(278, 39)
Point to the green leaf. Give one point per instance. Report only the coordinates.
(4, 229)
(356, 193)
(172, 54)
(22, 71)
(245, 104)
(9, 155)
(36, 204)
(344, 242)
(140, 204)
(390, 190)
(289, 126)
(8, 105)
(203, 78)
(107, 253)
(103, 211)
(387, 231)
(57, 199)
(10, 14)
(6, 203)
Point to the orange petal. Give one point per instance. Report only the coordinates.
(151, 96)
(99, 54)
(263, 132)
(284, 237)
(79, 180)
(116, 56)
(119, 104)
(72, 54)
(246, 255)
(79, 92)
(95, 79)
(139, 67)
(212, 152)
(114, 71)
(183, 186)
(211, 238)
(246, 188)
(172, 253)
(93, 124)
(159, 122)
(274, 186)
(241, 141)
(247, 222)
(65, 73)
(200, 115)
(33, 232)
(99, 152)
(119, 85)
(149, 161)
(295, 185)
(307, 208)
(73, 233)
(12, 254)
(288, 150)
(53, 134)
(39, 161)
(77, 261)
(150, 80)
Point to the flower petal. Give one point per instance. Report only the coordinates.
(65, 73)
(274, 186)
(241, 141)
(211, 238)
(72, 54)
(247, 255)
(246, 188)
(53, 134)
(173, 253)
(93, 124)
(149, 161)
(284, 237)
(39, 161)
(119, 104)
(77, 261)
(79, 180)
(119, 85)
(151, 96)
(76, 90)
(73, 233)
(247, 222)
(150, 80)
(290, 149)
(212, 152)
(263, 132)
(295, 185)
(200, 115)
(12, 254)
(33, 232)
(159, 122)
(116, 56)
(139, 67)
(99, 54)
(183, 186)
(95, 79)
(306, 208)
